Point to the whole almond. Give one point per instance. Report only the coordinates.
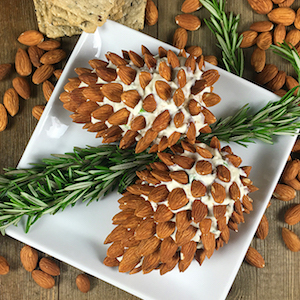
(151, 13)
(189, 6)
(83, 283)
(211, 59)
(263, 228)
(291, 170)
(292, 215)
(49, 45)
(43, 279)
(267, 74)
(279, 34)
(180, 38)
(261, 6)
(4, 266)
(52, 57)
(277, 82)
(48, 88)
(188, 21)
(11, 101)
(282, 15)
(194, 51)
(249, 38)
(297, 19)
(3, 117)
(291, 82)
(284, 192)
(31, 38)
(22, 63)
(262, 26)
(37, 111)
(258, 59)
(291, 240)
(35, 54)
(293, 37)
(4, 70)
(29, 258)
(42, 73)
(22, 87)
(49, 266)
(286, 3)
(264, 40)
(254, 258)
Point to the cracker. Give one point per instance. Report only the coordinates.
(94, 11)
(45, 26)
(116, 12)
(64, 17)
(133, 14)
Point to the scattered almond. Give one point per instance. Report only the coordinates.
(264, 40)
(258, 59)
(180, 38)
(284, 192)
(4, 266)
(189, 6)
(22, 63)
(254, 258)
(263, 228)
(43, 279)
(3, 117)
(262, 26)
(42, 73)
(291, 240)
(52, 57)
(22, 87)
(261, 6)
(31, 38)
(11, 101)
(188, 21)
(83, 283)
(282, 15)
(4, 70)
(249, 38)
(29, 258)
(49, 266)
(292, 215)
(37, 111)
(48, 88)
(151, 13)
(49, 45)
(35, 54)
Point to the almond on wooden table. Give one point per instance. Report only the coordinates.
(292, 215)
(284, 192)
(282, 15)
(42, 73)
(291, 240)
(22, 87)
(249, 38)
(37, 111)
(31, 38)
(35, 54)
(151, 13)
(188, 21)
(261, 6)
(262, 26)
(29, 258)
(3, 117)
(254, 258)
(189, 6)
(22, 63)
(279, 34)
(263, 228)
(43, 279)
(180, 38)
(49, 45)
(83, 283)
(11, 101)
(4, 266)
(258, 59)
(4, 70)
(49, 266)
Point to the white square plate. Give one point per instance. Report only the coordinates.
(76, 236)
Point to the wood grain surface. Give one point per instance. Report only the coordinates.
(280, 279)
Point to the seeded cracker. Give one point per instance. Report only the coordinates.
(133, 14)
(43, 16)
(94, 11)
(63, 17)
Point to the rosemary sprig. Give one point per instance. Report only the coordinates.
(225, 29)
(55, 183)
(290, 54)
(276, 118)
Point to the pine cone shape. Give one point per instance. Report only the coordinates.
(180, 208)
(151, 100)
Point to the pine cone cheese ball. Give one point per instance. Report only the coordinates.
(151, 100)
(181, 208)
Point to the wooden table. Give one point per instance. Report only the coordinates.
(280, 278)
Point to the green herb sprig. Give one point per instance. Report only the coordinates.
(225, 29)
(55, 183)
(276, 118)
(290, 54)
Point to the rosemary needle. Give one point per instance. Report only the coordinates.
(224, 27)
